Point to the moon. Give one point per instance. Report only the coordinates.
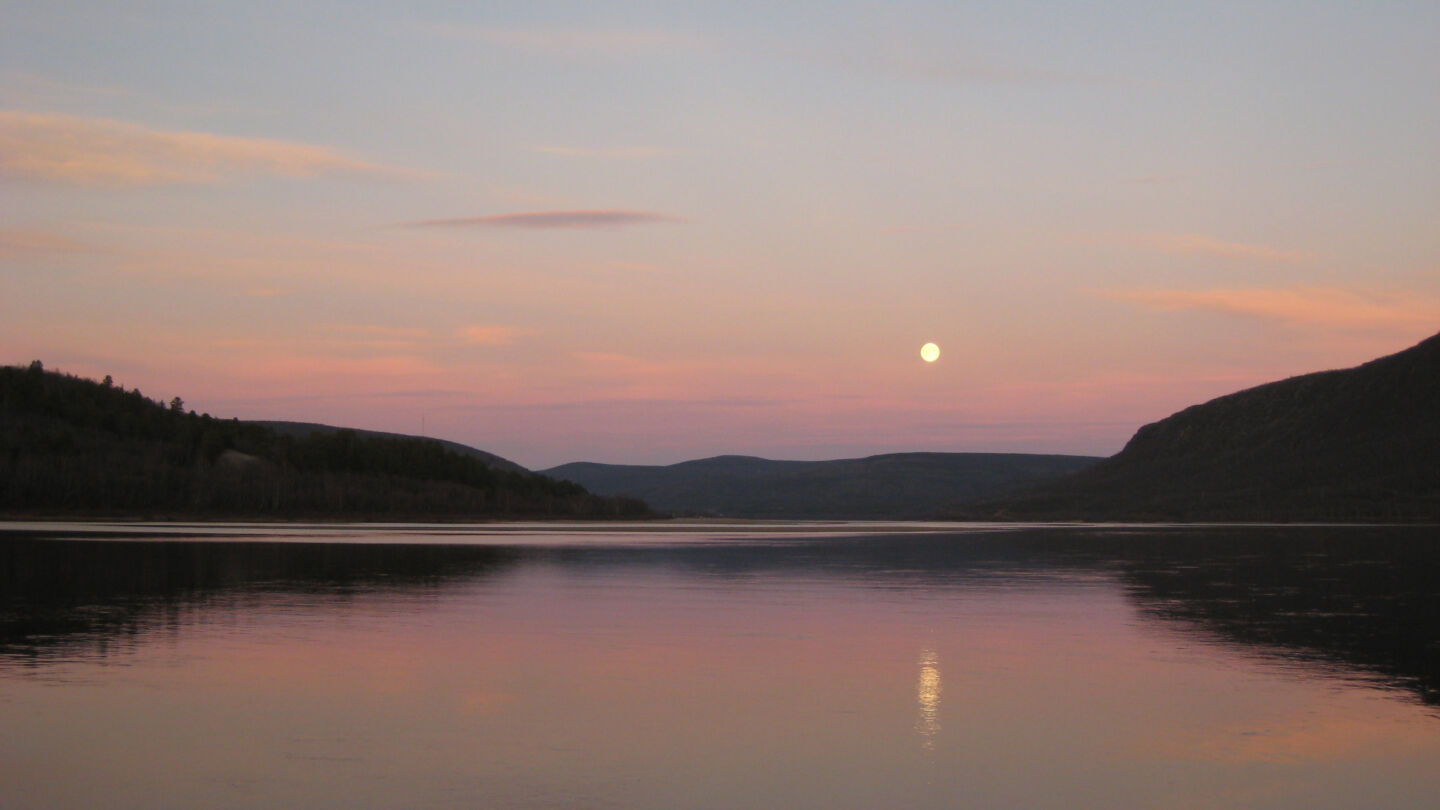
(929, 352)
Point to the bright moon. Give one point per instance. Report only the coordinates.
(929, 352)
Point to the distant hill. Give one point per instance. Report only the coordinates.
(1352, 445)
(300, 430)
(899, 485)
(75, 447)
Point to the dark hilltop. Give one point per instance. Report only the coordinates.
(1352, 445)
(896, 486)
(72, 447)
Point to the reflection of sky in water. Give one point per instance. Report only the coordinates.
(727, 677)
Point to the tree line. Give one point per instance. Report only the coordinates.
(74, 446)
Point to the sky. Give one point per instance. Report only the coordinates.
(648, 232)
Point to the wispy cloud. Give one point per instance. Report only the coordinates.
(571, 42)
(367, 331)
(1190, 244)
(896, 229)
(614, 153)
(26, 89)
(76, 150)
(349, 334)
(910, 63)
(17, 242)
(618, 266)
(603, 218)
(926, 52)
(360, 340)
(1305, 306)
(218, 108)
(1158, 179)
(490, 334)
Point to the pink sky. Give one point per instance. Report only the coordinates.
(570, 234)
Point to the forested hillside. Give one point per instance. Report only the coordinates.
(1356, 444)
(303, 429)
(71, 446)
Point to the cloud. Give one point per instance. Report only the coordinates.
(929, 50)
(19, 87)
(327, 368)
(1306, 306)
(551, 219)
(896, 229)
(1197, 245)
(930, 66)
(571, 42)
(1158, 179)
(618, 266)
(348, 334)
(15, 243)
(490, 335)
(75, 150)
(616, 153)
(361, 331)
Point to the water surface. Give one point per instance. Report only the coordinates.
(774, 665)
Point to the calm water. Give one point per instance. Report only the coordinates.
(834, 666)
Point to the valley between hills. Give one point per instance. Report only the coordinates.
(1351, 445)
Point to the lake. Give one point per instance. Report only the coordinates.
(699, 665)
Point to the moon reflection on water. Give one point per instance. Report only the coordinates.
(927, 695)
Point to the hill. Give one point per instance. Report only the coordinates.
(1353, 445)
(302, 429)
(898, 485)
(76, 447)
